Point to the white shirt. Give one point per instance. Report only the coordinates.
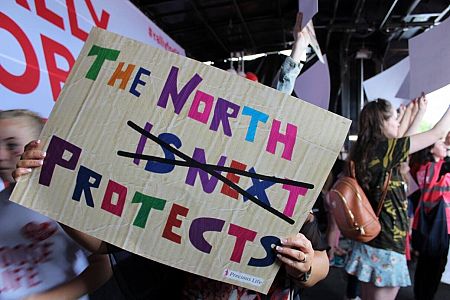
(35, 252)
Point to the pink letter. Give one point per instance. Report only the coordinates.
(194, 113)
(287, 139)
(294, 192)
(242, 236)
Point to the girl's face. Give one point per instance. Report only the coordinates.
(391, 125)
(15, 133)
(439, 150)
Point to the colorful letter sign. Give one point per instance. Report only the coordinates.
(181, 162)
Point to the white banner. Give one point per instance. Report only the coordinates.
(40, 41)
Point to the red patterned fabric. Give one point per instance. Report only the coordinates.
(433, 188)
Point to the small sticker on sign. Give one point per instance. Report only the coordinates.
(242, 277)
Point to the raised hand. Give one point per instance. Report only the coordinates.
(31, 158)
(422, 102)
(302, 39)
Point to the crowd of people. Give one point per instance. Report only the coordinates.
(387, 137)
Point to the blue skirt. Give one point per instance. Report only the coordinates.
(383, 268)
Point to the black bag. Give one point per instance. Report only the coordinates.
(431, 236)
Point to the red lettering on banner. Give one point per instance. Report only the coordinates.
(104, 19)
(161, 41)
(76, 31)
(24, 4)
(44, 12)
(29, 80)
(56, 75)
(73, 20)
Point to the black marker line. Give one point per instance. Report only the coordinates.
(198, 165)
(183, 163)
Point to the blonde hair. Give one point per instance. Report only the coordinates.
(35, 121)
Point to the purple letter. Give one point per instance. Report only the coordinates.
(208, 184)
(54, 157)
(170, 88)
(199, 227)
(221, 115)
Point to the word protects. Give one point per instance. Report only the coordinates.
(115, 198)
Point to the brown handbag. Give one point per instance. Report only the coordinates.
(352, 210)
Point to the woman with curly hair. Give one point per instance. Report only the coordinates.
(380, 264)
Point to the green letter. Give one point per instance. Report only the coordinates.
(102, 55)
(148, 202)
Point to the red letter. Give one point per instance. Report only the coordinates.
(234, 178)
(55, 74)
(103, 22)
(172, 221)
(121, 191)
(242, 236)
(44, 12)
(24, 4)
(76, 31)
(29, 80)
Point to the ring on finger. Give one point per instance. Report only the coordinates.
(303, 260)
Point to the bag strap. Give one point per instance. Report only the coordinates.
(352, 173)
(351, 169)
(436, 168)
(383, 196)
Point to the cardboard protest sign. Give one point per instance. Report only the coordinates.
(143, 146)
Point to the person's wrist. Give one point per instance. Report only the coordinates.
(304, 277)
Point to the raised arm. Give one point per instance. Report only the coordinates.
(405, 119)
(416, 118)
(301, 40)
(292, 65)
(425, 139)
(401, 112)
